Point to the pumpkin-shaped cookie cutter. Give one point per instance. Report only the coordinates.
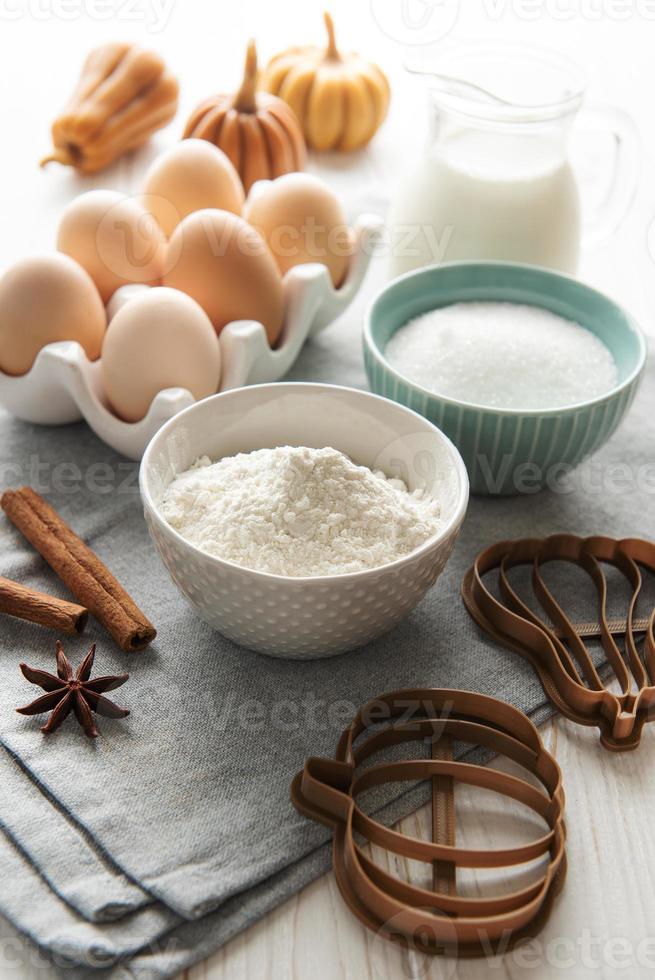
(556, 649)
(438, 919)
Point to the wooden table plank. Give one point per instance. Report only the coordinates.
(602, 924)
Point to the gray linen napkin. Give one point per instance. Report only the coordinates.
(189, 795)
(69, 863)
(35, 910)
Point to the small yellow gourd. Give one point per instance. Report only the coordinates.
(124, 94)
(340, 99)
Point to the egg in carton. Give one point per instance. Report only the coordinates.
(65, 386)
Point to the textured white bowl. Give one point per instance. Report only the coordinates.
(305, 618)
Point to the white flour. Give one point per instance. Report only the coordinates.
(297, 511)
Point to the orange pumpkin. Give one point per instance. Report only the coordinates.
(257, 131)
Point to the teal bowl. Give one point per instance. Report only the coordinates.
(508, 451)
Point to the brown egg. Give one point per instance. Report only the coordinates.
(222, 262)
(42, 300)
(191, 176)
(160, 339)
(301, 220)
(114, 238)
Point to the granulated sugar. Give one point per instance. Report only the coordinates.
(502, 355)
(297, 511)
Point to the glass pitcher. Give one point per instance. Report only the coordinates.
(496, 180)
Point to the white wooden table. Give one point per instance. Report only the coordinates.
(602, 925)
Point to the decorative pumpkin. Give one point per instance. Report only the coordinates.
(257, 131)
(340, 99)
(123, 96)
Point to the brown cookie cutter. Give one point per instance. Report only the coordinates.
(556, 649)
(437, 920)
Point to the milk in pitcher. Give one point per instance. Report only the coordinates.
(482, 195)
(494, 181)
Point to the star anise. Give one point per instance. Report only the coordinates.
(73, 692)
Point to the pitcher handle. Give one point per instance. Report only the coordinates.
(626, 169)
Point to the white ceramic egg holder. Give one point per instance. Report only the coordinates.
(63, 386)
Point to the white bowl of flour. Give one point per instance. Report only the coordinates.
(302, 520)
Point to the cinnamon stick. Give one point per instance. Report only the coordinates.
(37, 607)
(79, 568)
